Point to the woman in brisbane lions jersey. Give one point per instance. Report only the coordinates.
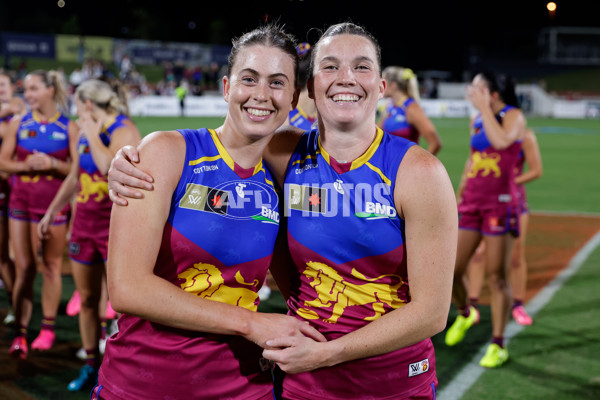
(489, 206)
(370, 224)
(37, 151)
(104, 128)
(186, 262)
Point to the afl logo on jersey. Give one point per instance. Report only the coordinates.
(27, 134)
(236, 200)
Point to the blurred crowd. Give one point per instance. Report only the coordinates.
(198, 79)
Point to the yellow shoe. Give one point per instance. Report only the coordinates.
(494, 357)
(456, 333)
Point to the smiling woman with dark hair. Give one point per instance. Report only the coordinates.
(185, 263)
(371, 229)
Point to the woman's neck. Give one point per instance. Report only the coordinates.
(244, 151)
(46, 112)
(399, 97)
(497, 107)
(347, 145)
(307, 104)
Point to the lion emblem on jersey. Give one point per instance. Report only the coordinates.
(206, 280)
(91, 186)
(334, 291)
(484, 163)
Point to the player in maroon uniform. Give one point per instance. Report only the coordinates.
(488, 205)
(37, 151)
(403, 116)
(530, 156)
(10, 106)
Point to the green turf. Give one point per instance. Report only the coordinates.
(556, 357)
(151, 124)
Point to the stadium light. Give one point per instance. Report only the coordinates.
(61, 3)
(551, 7)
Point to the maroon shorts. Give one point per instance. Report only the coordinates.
(88, 249)
(498, 220)
(428, 393)
(25, 215)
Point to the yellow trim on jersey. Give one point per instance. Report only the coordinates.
(383, 177)
(258, 167)
(204, 159)
(365, 157)
(308, 157)
(111, 121)
(270, 183)
(37, 118)
(224, 155)
(370, 151)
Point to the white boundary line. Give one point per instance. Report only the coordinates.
(472, 371)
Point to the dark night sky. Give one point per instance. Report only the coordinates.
(423, 34)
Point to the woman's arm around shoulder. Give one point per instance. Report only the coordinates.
(278, 152)
(135, 239)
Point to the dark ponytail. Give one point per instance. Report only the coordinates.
(504, 85)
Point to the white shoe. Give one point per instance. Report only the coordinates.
(82, 355)
(10, 317)
(102, 345)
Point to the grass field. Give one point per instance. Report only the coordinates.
(555, 358)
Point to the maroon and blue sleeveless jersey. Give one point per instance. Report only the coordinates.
(34, 191)
(93, 204)
(217, 244)
(397, 124)
(299, 119)
(348, 243)
(491, 174)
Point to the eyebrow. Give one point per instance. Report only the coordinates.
(359, 59)
(255, 72)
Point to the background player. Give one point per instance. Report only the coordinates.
(305, 113)
(37, 150)
(10, 106)
(488, 205)
(104, 127)
(530, 155)
(402, 115)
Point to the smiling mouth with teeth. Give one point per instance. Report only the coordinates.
(258, 113)
(345, 98)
